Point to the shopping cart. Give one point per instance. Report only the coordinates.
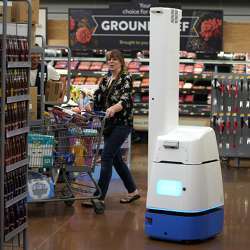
(63, 154)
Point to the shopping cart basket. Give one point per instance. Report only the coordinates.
(63, 154)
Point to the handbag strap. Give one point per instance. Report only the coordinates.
(110, 88)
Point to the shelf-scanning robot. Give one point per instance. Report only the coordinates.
(185, 191)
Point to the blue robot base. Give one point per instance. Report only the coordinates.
(179, 226)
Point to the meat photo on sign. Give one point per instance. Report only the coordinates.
(209, 31)
(81, 30)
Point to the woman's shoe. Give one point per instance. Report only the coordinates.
(130, 197)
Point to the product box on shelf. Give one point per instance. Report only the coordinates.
(33, 103)
(20, 11)
(55, 90)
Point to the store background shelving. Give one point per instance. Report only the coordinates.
(14, 97)
(194, 85)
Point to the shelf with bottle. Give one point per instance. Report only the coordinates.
(15, 222)
(15, 186)
(16, 165)
(16, 199)
(16, 115)
(14, 131)
(18, 98)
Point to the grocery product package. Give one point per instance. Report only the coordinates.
(55, 90)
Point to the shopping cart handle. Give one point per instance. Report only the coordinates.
(99, 113)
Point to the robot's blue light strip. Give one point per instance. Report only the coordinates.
(187, 211)
(169, 188)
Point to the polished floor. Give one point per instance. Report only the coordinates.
(58, 227)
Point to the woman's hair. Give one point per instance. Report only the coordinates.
(116, 54)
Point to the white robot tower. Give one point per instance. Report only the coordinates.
(185, 191)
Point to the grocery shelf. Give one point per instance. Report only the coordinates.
(194, 91)
(210, 61)
(15, 67)
(17, 132)
(15, 232)
(15, 200)
(195, 110)
(86, 73)
(139, 112)
(192, 76)
(195, 105)
(204, 61)
(82, 59)
(140, 105)
(18, 98)
(16, 165)
(195, 114)
(146, 60)
(18, 64)
(141, 89)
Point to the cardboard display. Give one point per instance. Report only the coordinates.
(20, 11)
(55, 91)
(33, 103)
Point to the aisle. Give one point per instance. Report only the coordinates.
(57, 227)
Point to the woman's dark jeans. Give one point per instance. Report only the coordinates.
(111, 155)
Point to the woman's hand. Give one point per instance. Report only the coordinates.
(110, 112)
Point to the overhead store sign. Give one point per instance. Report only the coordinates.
(126, 27)
(121, 26)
